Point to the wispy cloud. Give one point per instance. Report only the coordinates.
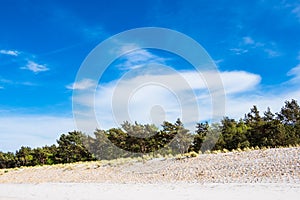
(239, 51)
(218, 61)
(35, 67)
(94, 33)
(3, 80)
(295, 73)
(82, 85)
(296, 11)
(9, 52)
(137, 58)
(6, 82)
(28, 58)
(248, 40)
(271, 53)
(248, 44)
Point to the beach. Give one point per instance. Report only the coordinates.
(90, 191)
(256, 174)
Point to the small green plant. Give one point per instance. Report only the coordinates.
(216, 151)
(234, 151)
(225, 151)
(191, 154)
(207, 152)
(263, 148)
(246, 149)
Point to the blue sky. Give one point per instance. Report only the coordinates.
(255, 44)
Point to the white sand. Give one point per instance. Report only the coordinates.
(264, 174)
(91, 191)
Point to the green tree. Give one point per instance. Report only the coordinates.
(71, 148)
(212, 138)
(24, 156)
(233, 135)
(182, 138)
(255, 133)
(290, 118)
(39, 156)
(202, 130)
(8, 160)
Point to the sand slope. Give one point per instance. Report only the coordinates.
(259, 166)
(261, 174)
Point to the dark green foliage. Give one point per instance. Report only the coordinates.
(182, 138)
(137, 139)
(269, 130)
(24, 156)
(71, 148)
(233, 135)
(7, 160)
(202, 130)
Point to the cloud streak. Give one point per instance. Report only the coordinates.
(82, 85)
(9, 52)
(35, 67)
(248, 43)
(138, 58)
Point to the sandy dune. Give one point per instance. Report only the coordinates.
(260, 166)
(261, 174)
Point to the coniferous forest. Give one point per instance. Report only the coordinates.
(255, 129)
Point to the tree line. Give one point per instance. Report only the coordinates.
(130, 140)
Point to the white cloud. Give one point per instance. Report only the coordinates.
(178, 94)
(9, 52)
(32, 130)
(218, 61)
(236, 107)
(138, 58)
(35, 67)
(274, 97)
(161, 97)
(239, 81)
(2, 80)
(10, 82)
(248, 43)
(295, 73)
(248, 40)
(82, 85)
(239, 51)
(126, 48)
(166, 96)
(296, 11)
(272, 53)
